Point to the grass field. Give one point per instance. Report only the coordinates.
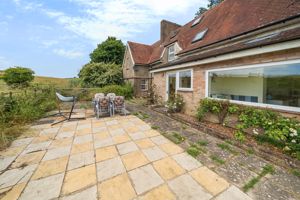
(60, 82)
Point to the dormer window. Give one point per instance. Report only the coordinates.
(171, 53)
(200, 36)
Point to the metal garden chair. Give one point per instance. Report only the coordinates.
(103, 106)
(96, 99)
(119, 105)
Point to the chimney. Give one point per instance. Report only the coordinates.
(166, 28)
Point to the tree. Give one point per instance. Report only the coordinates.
(211, 4)
(18, 76)
(200, 11)
(100, 74)
(109, 51)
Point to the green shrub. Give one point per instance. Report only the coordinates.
(87, 94)
(100, 74)
(18, 76)
(22, 108)
(239, 136)
(175, 104)
(267, 126)
(217, 107)
(125, 90)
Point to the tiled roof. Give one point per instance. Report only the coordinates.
(227, 20)
(287, 35)
(140, 52)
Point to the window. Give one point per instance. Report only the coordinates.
(197, 21)
(185, 79)
(200, 35)
(273, 85)
(144, 84)
(171, 53)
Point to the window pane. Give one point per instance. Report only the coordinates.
(276, 85)
(171, 53)
(144, 84)
(185, 79)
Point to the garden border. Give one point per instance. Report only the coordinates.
(266, 153)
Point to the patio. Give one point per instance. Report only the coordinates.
(111, 158)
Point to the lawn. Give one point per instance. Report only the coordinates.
(61, 82)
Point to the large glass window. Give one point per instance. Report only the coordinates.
(274, 85)
(185, 79)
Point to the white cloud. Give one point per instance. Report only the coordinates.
(49, 43)
(71, 54)
(27, 6)
(17, 2)
(121, 18)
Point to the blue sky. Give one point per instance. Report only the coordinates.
(55, 37)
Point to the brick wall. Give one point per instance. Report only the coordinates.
(192, 98)
(159, 85)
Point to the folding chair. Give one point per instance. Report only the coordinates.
(64, 99)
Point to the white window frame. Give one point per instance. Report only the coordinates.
(177, 82)
(262, 105)
(171, 53)
(146, 85)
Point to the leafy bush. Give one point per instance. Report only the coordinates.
(22, 108)
(175, 104)
(74, 82)
(220, 108)
(267, 126)
(125, 90)
(100, 74)
(18, 76)
(239, 136)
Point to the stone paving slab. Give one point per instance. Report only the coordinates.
(235, 165)
(118, 158)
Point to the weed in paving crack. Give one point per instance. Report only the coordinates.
(202, 142)
(268, 169)
(217, 159)
(295, 172)
(155, 127)
(175, 137)
(226, 147)
(193, 151)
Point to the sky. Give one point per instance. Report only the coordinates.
(55, 37)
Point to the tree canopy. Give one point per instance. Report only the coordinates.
(18, 76)
(100, 74)
(211, 4)
(109, 51)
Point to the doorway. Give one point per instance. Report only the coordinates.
(171, 86)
